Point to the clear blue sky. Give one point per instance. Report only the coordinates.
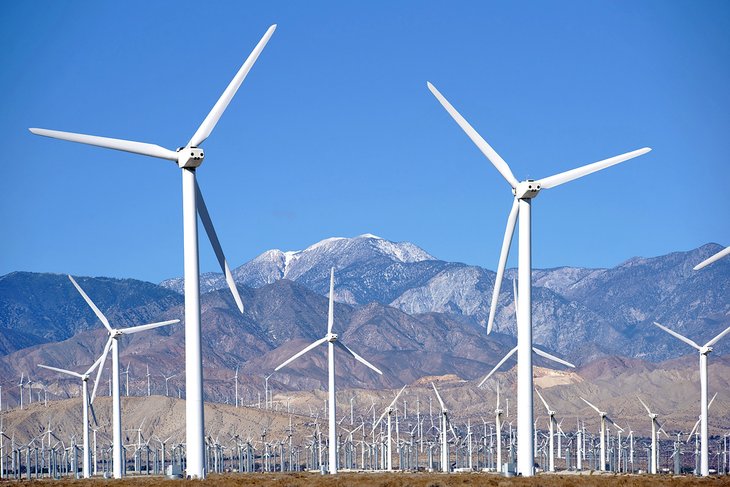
(334, 132)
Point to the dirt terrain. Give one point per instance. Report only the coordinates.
(409, 480)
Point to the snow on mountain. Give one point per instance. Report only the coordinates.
(311, 266)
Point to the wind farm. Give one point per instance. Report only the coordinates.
(315, 352)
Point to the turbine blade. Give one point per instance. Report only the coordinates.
(506, 242)
(543, 401)
(438, 396)
(401, 392)
(711, 401)
(564, 177)
(63, 371)
(546, 355)
(506, 357)
(150, 326)
(486, 149)
(91, 304)
(714, 340)
(107, 347)
(220, 106)
(693, 430)
(712, 259)
(213, 238)
(142, 148)
(375, 425)
(357, 357)
(612, 422)
(95, 365)
(591, 405)
(302, 352)
(91, 408)
(680, 337)
(331, 310)
(643, 404)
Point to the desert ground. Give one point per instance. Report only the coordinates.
(347, 479)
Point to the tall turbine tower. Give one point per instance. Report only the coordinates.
(523, 193)
(704, 352)
(188, 158)
(332, 341)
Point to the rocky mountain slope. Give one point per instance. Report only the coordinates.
(410, 314)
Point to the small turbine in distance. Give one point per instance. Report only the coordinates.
(332, 341)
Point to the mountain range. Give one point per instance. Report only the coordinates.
(409, 313)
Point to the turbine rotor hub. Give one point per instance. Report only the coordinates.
(526, 190)
(190, 157)
(705, 350)
(331, 337)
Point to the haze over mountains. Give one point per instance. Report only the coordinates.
(409, 313)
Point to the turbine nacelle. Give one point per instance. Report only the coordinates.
(190, 157)
(526, 190)
(331, 337)
(705, 350)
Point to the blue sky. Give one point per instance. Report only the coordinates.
(334, 132)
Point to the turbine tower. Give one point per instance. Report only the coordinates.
(655, 427)
(113, 344)
(704, 352)
(85, 415)
(389, 411)
(551, 442)
(188, 158)
(604, 418)
(523, 193)
(332, 341)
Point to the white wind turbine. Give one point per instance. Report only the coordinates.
(389, 411)
(604, 418)
(713, 258)
(332, 341)
(188, 158)
(655, 427)
(523, 193)
(445, 427)
(704, 352)
(113, 344)
(498, 427)
(85, 415)
(167, 379)
(551, 415)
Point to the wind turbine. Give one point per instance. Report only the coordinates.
(332, 341)
(389, 411)
(113, 344)
(188, 158)
(655, 427)
(713, 258)
(498, 428)
(604, 418)
(445, 427)
(167, 379)
(704, 352)
(523, 193)
(85, 415)
(551, 415)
